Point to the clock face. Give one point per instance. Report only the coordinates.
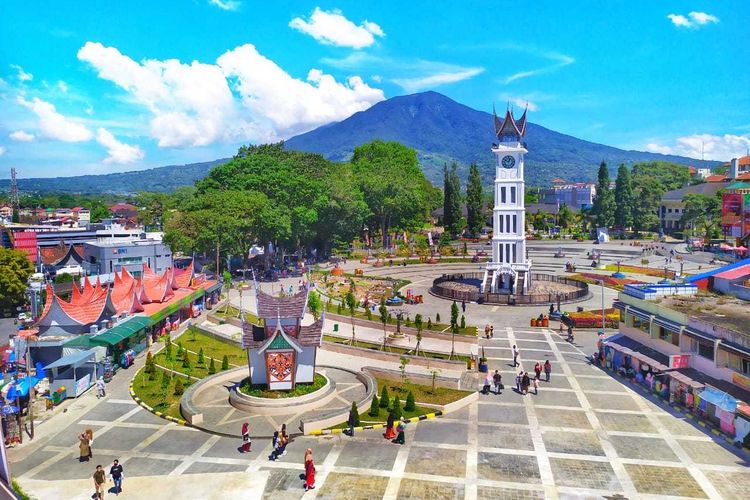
(508, 161)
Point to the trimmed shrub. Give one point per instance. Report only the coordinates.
(429, 324)
(396, 408)
(225, 363)
(201, 359)
(384, 397)
(463, 321)
(179, 349)
(355, 413)
(211, 367)
(374, 407)
(410, 406)
(437, 317)
(149, 362)
(165, 380)
(179, 387)
(185, 359)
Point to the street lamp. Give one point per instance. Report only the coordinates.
(601, 282)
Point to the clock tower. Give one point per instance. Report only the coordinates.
(509, 270)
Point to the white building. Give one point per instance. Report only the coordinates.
(508, 272)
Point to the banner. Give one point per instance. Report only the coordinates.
(731, 209)
(679, 361)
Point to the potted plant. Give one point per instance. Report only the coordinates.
(483, 365)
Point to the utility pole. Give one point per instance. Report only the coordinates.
(30, 413)
(14, 198)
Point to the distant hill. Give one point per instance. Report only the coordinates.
(441, 130)
(154, 179)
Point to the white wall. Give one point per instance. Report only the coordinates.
(305, 365)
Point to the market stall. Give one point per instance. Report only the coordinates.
(124, 340)
(75, 372)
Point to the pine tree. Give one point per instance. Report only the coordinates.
(355, 414)
(201, 360)
(179, 387)
(475, 217)
(463, 321)
(429, 323)
(186, 359)
(437, 317)
(211, 367)
(149, 367)
(396, 408)
(384, 397)
(624, 198)
(604, 201)
(374, 406)
(225, 363)
(168, 348)
(179, 350)
(410, 405)
(447, 198)
(165, 379)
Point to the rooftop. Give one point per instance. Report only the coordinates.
(720, 310)
(707, 188)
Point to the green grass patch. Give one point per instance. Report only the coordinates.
(193, 340)
(422, 393)
(158, 398)
(436, 327)
(225, 312)
(396, 350)
(262, 391)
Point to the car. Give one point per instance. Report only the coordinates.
(394, 301)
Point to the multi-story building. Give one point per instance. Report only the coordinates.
(672, 205)
(107, 256)
(576, 195)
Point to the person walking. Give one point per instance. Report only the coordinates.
(487, 383)
(463, 306)
(309, 470)
(538, 369)
(275, 444)
(519, 377)
(90, 437)
(100, 388)
(99, 479)
(535, 383)
(525, 382)
(547, 369)
(492, 331)
(84, 447)
(401, 430)
(390, 433)
(487, 331)
(515, 356)
(117, 474)
(497, 379)
(246, 444)
(352, 422)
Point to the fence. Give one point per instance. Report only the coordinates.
(581, 292)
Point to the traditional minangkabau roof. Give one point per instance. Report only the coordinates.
(155, 288)
(75, 318)
(181, 278)
(290, 306)
(311, 335)
(280, 340)
(509, 127)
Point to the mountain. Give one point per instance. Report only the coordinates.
(155, 179)
(443, 130)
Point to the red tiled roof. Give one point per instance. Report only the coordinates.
(692, 170)
(88, 312)
(716, 178)
(52, 255)
(120, 207)
(744, 176)
(125, 299)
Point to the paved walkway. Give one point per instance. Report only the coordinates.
(585, 434)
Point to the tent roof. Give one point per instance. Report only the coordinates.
(72, 359)
(122, 331)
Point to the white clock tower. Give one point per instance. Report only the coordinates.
(509, 270)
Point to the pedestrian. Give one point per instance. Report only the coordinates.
(487, 331)
(117, 474)
(547, 369)
(463, 306)
(389, 432)
(535, 382)
(84, 447)
(99, 479)
(551, 309)
(538, 369)
(352, 422)
(498, 381)
(283, 440)
(492, 331)
(90, 436)
(401, 430)
(100, 389)
(519, 377)
(525, 382)
(246, 444)
(515, 356)
(275, 443)
(309, 470)
(487, 383)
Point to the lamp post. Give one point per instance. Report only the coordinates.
(601, 282)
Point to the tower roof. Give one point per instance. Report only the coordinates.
(509, 127)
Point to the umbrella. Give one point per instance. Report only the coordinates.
(9, 409)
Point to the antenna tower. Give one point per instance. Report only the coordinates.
(14, 201)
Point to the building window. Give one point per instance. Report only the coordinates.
(746, 366)
(500, 252)
(706, 350)
(515, 224)
(502, 195)
(669, 336)
(514, 253)
(501, 219)
(507, 222)
(513, 195)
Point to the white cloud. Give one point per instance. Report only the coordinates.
(706, 146)
(89, 110)
(54, 125)
(62, 86)
(558, 61)
(21, 74)
(2, 150)
(22, 136)
(437, 79)
(523, 103)
(693, 19)
(193, 105)
(225, 4)
(118, 152)
(333, 28)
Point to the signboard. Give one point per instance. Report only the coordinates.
(741, 380)
(679, 361)
(746, 211)
(82, 384)
(731, 209)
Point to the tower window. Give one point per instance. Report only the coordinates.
(512, 194)
(515, 222)
(500, 220)
(507, 222)
(514, 253)
(502, 195)
(500, 252)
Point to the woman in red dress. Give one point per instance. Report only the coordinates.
(390, 433)
(309, 471)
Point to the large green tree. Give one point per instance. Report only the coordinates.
(475, 214)
(670, 175)
(604, 201)
(702, 214)
(452, 220)
(647, 193)
(15, 269)
(623, 198)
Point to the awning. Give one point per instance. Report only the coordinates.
(619, 305)
(80, 342)
(640, 314)
(122, 331)
(176, 305)
(670, 325)
(699, 335)
(630, 347)
(72, 359)
(214, 287)
(719, 398)
(735, 348)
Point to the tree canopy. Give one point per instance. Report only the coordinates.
(623, 198)
(604, 201)
(15, 269)
(474, 202)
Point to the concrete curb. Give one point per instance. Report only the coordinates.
(325, 432)
(143, 405)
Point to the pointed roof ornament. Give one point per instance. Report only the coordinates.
(510, 128)
(521, 122)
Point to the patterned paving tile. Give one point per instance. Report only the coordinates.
(582, 369)
(352, 486)
(518, 438)
(611, 401)
(283, 483)
(581, 443)
(501, 467)
(584, 474)
(562, 418)
(709, 452)
(489, 493)
(680, 426)
(442, 432)
(674, 481)
(555, 398)
(601, 384)
(428, 490)
(502, 414)
(625, 422)
(731, 485)
(436, 461)
(643, 448)
(368, 455)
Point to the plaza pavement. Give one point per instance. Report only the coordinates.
(585, 435)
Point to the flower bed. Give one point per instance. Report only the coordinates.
(609, 281)
(262, 391)
(593, 319)
(648, 271)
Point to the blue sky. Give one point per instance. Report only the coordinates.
(95, 87)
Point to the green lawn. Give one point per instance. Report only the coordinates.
(422, 393)
(193, 340)
(397, 350)
(262, 391)
(232, 312)
(151, 392)
(436, 327)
